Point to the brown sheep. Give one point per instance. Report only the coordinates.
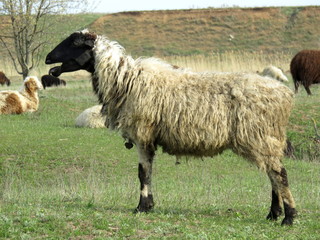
(25, 100)
(4, 79)
(305, 69)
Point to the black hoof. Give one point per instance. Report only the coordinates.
(145, 204)
(141, 209)
(274, 214)
(290, 214)
(271, 217)
(287, 221)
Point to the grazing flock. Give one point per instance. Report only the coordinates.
(153, 103)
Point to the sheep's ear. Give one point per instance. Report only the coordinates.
(78, 41)
(83, 42)
(28, 86)
(89, 42)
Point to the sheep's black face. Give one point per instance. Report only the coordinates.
(75, 53)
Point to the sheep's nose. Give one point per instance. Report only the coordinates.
(48, 61)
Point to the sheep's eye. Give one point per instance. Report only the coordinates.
(74, 44)
(77, 42)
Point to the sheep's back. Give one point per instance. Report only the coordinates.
(304, 66)
(202, 112)
(91, 117)
(11, 102)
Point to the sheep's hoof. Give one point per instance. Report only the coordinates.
(290, 214)
(274, 214)
(145, 204)
(287, 221)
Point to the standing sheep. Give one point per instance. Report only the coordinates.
(275, 73)
(49, 80)
(305, 69)
(25, 100)
(4, 79)
(186, 113)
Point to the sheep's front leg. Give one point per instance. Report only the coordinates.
(276, 206)
(146, 156)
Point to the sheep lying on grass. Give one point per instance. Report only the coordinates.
(275, 73)
(49, 80)
(26, 100)
(186, 113)
(91, 117)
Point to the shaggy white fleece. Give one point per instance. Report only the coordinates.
(275, 73)
(91, 117)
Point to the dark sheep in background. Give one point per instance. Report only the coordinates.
(49, 80)
(4, 79)
(305, 69)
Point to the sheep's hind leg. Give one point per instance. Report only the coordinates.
(296, 86)
(308, 89)
(146, 156)
(281, 193)
(276, 204)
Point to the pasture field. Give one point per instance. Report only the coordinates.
(63, 182)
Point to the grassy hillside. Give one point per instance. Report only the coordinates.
(58, 181)
(275, 30)
(201, 31)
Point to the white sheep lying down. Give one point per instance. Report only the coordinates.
(275, 73)
(153, 103)
(25, 100)
(91, 118)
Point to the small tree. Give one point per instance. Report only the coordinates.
(26, 28)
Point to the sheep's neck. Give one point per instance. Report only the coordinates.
(95, 83)
(89, 67)
(31, 95)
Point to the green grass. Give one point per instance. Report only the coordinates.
(304, 118)
(63, 182)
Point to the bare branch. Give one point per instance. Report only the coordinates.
(26, 32)
(10, 54)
